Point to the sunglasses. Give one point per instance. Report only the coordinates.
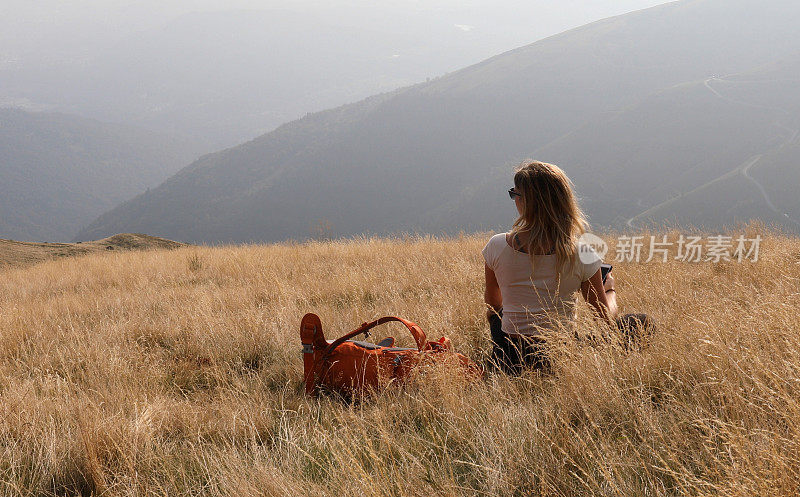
(512, 193)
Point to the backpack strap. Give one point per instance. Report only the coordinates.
(313, 340)
(416, 332)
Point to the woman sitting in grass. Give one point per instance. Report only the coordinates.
(534, 271)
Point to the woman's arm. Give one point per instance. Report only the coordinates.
(603, 298)
(492, 295)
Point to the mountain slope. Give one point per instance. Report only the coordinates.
(58, 172)
(418, 157)
(764, 180)
(708, 152)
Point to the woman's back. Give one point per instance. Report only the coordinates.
(537, 293)
(539, 301)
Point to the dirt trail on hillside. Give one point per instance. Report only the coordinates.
(743, 169)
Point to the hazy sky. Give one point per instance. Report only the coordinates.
(66, 28)
(103, 58)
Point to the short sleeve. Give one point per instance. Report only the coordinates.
(490, 254)
(588, 261)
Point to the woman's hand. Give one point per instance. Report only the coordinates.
(599, 296)
(609, 283)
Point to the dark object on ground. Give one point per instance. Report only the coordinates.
(514, 353)
(637, 329)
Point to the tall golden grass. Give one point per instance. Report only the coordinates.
(179, 373)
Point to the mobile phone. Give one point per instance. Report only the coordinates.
(604, 270)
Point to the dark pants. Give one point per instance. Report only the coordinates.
(513, 353)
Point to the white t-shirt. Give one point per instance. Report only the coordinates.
(538, 302)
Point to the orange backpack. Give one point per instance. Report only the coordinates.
(352, 367)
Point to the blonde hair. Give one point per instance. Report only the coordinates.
(550, 213)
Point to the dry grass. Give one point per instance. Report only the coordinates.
(179, 373)
(22, 254)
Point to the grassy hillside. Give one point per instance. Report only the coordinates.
(14, 254)
(58, 172)
(179, 372)
(437, 156)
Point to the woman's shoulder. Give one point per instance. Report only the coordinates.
(587, 259)
(498, 241)
(493, 247)
(499, 237)
(586, 252)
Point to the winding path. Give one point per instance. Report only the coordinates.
(770, 204)
(743, 169)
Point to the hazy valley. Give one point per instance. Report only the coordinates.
(58, 172)
(636, 110)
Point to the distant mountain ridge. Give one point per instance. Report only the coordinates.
(58, 172)
(436, 156)
(14, 254)
(228, 76)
